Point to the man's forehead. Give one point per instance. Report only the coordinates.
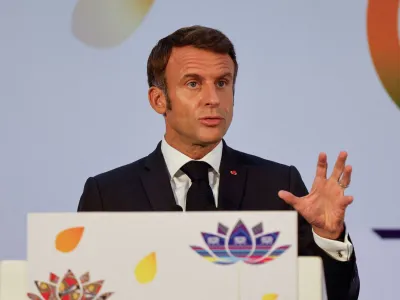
(190, 59)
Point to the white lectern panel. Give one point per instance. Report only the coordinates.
(197, 256)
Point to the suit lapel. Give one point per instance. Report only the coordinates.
(232, 180)
(157, 185)
(156, 182)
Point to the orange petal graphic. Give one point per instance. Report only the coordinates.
(105, 23)
(67, 240)
(270, 297)
(146, 269)
(384, 44)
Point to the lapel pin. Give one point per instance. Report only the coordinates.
(233, 172)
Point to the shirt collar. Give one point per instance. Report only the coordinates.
(175, 159)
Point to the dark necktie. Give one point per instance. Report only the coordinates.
(199, 196)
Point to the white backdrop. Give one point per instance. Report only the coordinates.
(72, 107)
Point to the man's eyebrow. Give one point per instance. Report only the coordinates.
(191, 75)
(226, 75)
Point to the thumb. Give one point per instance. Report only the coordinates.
(288, 197)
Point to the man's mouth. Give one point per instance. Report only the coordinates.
(211, 121)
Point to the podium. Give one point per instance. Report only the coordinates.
(13, 284)
(167, 255)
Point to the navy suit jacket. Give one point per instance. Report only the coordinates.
(144, 185)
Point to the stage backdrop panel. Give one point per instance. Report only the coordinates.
(313, 76)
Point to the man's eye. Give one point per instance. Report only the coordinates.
(192, 84)
(221, 83)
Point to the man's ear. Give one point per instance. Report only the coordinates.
(157, 100)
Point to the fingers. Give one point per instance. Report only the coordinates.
(347, 200)
(322, 165)
(339, 165)
(346, 178)
(288, 197)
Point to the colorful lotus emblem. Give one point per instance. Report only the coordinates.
(70, 288)
(240, 245)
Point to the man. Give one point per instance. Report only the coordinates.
(191, 76)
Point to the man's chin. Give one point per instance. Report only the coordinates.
(207, 140)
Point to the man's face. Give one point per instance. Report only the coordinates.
(200, 88)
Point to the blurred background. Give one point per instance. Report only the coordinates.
(313, 76)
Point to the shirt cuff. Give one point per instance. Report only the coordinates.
(340, 251)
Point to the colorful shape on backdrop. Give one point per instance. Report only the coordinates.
(388, 233)
(68, 239)
(70, 288)
(384, 43)
(146, 269)
(270, 297)
(241, 245)
(105, 23)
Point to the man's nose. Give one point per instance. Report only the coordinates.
(211, 97)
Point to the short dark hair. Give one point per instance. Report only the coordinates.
(197, 36)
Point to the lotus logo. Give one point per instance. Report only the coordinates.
(70, 288)
(240, 245)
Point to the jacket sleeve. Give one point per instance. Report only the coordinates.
(91, 198)
(341, 278)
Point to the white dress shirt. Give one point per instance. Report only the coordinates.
(180, 184)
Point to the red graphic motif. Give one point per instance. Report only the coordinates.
(70, 288)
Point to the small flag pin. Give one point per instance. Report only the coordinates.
(233, 172)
